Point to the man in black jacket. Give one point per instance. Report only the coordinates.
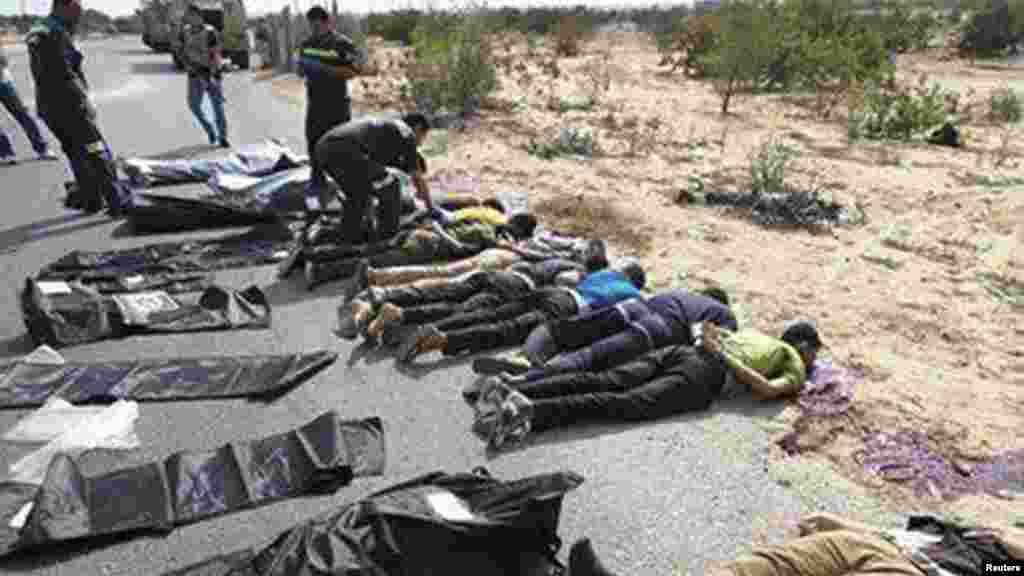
(64, 104)
(327, 60)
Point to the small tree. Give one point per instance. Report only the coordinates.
(747, 43)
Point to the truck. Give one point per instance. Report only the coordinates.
(164, 21)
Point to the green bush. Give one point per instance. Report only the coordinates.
(1004, 105)
(898, 114)
(768, 166)
(453, 70)
(394, 26)
(902, 28)
(570, 142)
(747, 42)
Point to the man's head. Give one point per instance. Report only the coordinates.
(716, 293)
(494, 204)
(193, 15)
(70, 11)
(521, 225)
(804, 337)
(419, 124)
(319, 20)
(632, 270)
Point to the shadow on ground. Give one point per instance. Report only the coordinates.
(154, 68)
(16, 346)
(13, 239)
(747, 407)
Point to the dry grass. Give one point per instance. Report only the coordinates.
(596, 218)
(905, 307)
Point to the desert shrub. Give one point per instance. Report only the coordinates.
(570, 142)
(829, 66)
(1004, 105)
(570, 32)
(898, 114)
(904, 29)
(664, 26)
(768, 166)
(689, 43)
(991, 27)
(452, 68)
(394, 26)
(746, 44)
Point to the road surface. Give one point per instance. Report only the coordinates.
(659, 499)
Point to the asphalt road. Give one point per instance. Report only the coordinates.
(662, 498)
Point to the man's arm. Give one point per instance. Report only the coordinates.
(423, 190)
(216, 50)
(761, 386)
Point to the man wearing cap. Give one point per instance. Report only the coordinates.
(661, 383)
(327, 60)
(510, 323)
(362, 157)
(201, 54)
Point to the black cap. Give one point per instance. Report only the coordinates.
(317, 13)
(802, 333)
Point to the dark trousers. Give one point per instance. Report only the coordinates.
(594, 325)
(12, 102)
(348, 163)
(319, 120)
(507, 325)
(90, 159)
(661, 383)
(478, 291)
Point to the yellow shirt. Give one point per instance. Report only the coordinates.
(484, 214)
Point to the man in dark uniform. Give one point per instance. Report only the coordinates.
(361, 156)
(327, 60)
(201, 54)
(64, 104)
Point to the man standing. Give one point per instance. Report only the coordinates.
(64, 104)
(12, 101)
(328, 60)
(201, 54)
(361, 156)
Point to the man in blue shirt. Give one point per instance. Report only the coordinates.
(509, 324)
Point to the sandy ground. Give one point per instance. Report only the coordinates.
(919, 297)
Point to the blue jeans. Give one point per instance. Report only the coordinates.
(12, 101)
(199, 86)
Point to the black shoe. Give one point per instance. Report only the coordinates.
(494, 365)
(583, 561)
(223, 143)
(360, 280)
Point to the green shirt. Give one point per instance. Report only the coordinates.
(768, 356)
(474, 233)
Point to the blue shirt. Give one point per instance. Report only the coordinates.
(682, 308)
(606, 288)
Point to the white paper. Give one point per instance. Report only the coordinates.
(18, 521)
(51, 288)
(449, 507)
(136, 308)
(312, 203)
(112, 427)
(44, 355)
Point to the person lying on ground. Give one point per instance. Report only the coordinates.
(461, 239)
(830, 545)
(362, 155)
(379, 312)
(601, 339)
(658, 384)
(502, 257)
(510, 323)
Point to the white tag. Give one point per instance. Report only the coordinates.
(133, 280)
(312, 203)
(449, 507)
(19, 519)
(52, 288)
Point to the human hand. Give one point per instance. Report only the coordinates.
(822, 522)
